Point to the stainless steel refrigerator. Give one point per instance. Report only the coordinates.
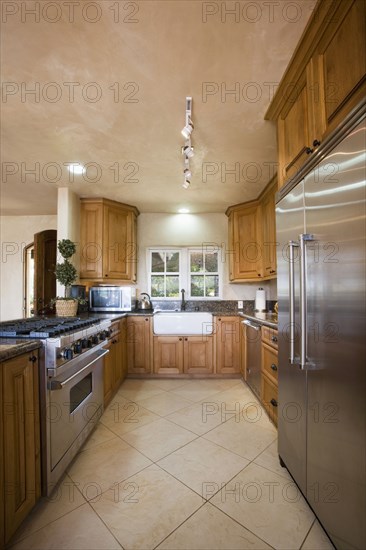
(321, 236)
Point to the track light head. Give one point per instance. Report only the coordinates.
(186, 183)
(187, 130)
(188, 151)
(187, 173)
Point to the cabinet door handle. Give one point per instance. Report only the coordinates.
(308, 150)
(180, 339)
(273, 366)
(274, 338)
(316, 143)
(32, 358)
(186, 339)
(274, 402)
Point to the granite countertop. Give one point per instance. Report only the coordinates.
(265, 318)
(11, 347)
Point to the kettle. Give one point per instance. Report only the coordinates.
(145, 302)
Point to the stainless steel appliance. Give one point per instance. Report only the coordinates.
(253, 355)
(112, 298)
(321, 232)
(71, 384)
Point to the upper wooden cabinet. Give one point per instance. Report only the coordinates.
(252, 238)
(108, 240)
(324, 81)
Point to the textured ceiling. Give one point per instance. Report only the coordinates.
(105, 82)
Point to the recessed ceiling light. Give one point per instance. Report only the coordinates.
(76, 168)
(183, 211)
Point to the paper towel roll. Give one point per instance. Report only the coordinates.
(260, 300)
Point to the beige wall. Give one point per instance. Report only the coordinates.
(16, 233)
(192, 230)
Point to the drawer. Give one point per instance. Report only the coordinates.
(270, 336)
(270, 362)
(269, 397)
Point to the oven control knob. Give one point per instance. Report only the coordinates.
(102, 335)
(77, 347)
(89, 343)
(67, 353)
(108, 332)
(95, 339)
(84, 343)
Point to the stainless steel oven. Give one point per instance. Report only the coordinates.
(74, 404)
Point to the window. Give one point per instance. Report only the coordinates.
(165, 270)
(197, 270)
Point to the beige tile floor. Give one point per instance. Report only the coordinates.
(176, 464)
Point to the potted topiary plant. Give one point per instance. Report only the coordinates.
(66, 274)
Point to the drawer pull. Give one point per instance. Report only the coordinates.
(274, 402)
(274, 338)
(273, 366)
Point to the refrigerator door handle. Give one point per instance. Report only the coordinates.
(292, 245)
(303, 239)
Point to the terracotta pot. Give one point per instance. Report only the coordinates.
(66, 308)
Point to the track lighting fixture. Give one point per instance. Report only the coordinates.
(187, 149)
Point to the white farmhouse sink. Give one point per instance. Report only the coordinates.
(182, 323)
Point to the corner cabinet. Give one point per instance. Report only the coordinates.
(323, 83)
(20, 474)
(252, 238)
(108, 245)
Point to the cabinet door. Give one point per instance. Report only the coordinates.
(343, 63)
(270, 363)
(269, 397)
(168, 354)
(91, 240)
(20, 403)
(245, 244)
(198, 354)
(228, 345)
(139, 345)
(119, 254)
(293, 132)
(269, 234)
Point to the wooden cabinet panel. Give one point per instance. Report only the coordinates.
(21, 439)
(227, 337)
(108, 240)
(123, 348)
(269, 248)
(108, 374)
(168, 354)
(198, 354)
(115, 362)
(139, 343)
(245, 242)
(270, 363)
(269, 397)
(270, 336)
(344, 60)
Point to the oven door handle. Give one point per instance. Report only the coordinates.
(57, 385)
(251, 325)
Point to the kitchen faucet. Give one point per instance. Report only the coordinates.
(183, 302)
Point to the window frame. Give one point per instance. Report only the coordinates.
(184, 271)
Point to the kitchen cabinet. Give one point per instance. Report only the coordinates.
(183, 355)
(20, 474)
(139, 344)
(252, 238)
(324, 81)
(227, 340)
(114, 362)
(108, 246)
(269, 372)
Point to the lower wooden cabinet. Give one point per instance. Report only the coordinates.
(183, 355)
(20, 473)
(227, 337)
(269, 372)
(115, 362)
(139, 345)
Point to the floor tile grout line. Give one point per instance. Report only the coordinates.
(105, 525)
(234, 452)
(306, 536)
(241, 525)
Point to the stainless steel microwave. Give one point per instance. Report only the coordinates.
(112, 298)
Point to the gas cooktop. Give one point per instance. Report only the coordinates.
(45, 327)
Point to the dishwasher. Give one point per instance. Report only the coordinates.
(253, 347)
